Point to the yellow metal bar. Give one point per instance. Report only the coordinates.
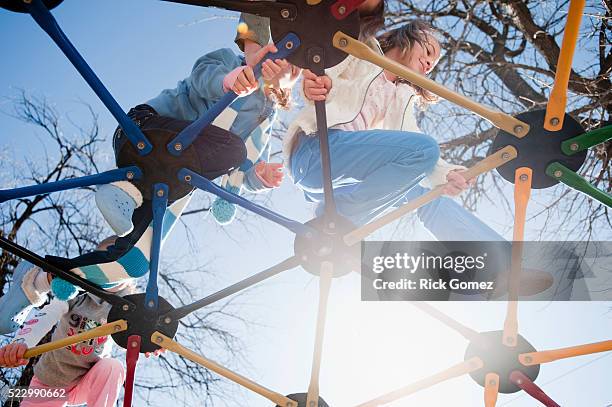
(491, 389)
(498, 119)
(555, 111)
(327, 273)
(460, 369)
(167, 343)
(487, 164)
(522, 191)
(103, 330)
(536, 358)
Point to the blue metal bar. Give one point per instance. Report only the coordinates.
(187, 136)
(317, 66)
(160, 203)
(119, 174)
(204, 184)
(47, 22)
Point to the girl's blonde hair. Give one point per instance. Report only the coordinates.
(404, 38)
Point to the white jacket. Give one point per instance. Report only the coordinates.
(351, 80)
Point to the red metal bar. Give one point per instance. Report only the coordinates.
(525, 383)
(131, 359)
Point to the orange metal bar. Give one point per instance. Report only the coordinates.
(491, 389)
(555, 110)
(545, 356)
(522, 191)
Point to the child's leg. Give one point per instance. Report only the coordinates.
(447, 220)
(46, 402)
(218, 152)
(100, 386)
(373, 168)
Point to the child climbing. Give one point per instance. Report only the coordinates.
(84, 370)
(251, 117)
(379, 156)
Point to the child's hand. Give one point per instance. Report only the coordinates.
(270, 174)
(271, 69)
(457, 183)
(241, 81)
(316, 87)
(11, 355)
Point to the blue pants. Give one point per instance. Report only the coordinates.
(374, 170)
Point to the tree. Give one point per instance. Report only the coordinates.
(67, 224)
(504, 54)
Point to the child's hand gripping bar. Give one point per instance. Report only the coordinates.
(184, 139)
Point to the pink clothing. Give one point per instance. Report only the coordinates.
(379, 97)
(98, 388)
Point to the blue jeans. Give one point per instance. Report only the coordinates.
(374, 170)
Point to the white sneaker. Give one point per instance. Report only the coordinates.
(117, 202)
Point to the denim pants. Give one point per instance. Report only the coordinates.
(374, 170)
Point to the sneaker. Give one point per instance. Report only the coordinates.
(16, 303)
(117, 202)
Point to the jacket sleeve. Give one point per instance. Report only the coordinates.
(258, 30)
(210, 70)
(40, 322)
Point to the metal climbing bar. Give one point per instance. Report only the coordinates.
(198, 181)
(498, 119)
(275, 10)
(167, 343)
(546, 356)
(555, 110)
(182, 312)
(103, 330)
(524, 382)
(458, 370)
(47, 22)
(491, 389)
(560, 172)
(160, 203)
(522, 192)
(316, 60)
(587, 140)
(131, 360)
(36, 260)
(487, 164)
(119, 174)
(188, 135)
(325, 279)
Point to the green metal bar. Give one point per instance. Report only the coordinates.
(586, 140)
(570, 178)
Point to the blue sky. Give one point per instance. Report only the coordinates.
(141, 47)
